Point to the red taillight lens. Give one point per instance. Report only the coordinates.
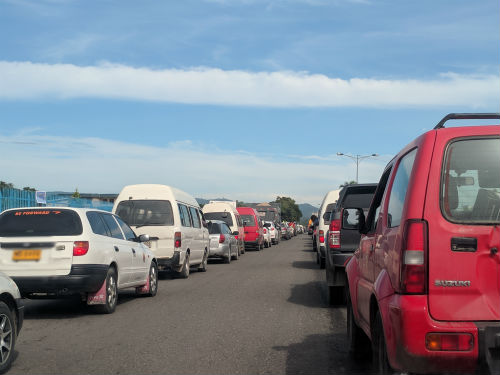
(222, 238)
(272, 229)
(177, 239)
(265, 230)
(460, 342)
(321, 236)
(334, 236)
(80, 248)
(236, 236)
(414, 268)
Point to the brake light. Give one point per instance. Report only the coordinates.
(265, 230)
(236, 236)
(334, 236)
(321, 236)
(449, 342)
(414, 269)
(80, 248)
(272, 229)
(177, 239)
(222, 238)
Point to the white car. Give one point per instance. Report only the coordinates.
(173, 220)
(60, 251)
(321, 238)
(274, 232)
(267, 235)
(11, 319)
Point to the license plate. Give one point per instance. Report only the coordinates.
(32, 254)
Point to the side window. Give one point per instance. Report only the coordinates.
(97, 225)
(129, 233)
(399, 188)
(225, 229)
(113, 227)
(184, 214)
(373, 214)
(195, 217)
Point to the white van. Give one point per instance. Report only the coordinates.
(226, 211)
(172, 219)
(325, 209)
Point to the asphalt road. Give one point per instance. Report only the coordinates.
(263, 314)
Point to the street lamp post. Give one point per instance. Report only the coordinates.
(357, 158)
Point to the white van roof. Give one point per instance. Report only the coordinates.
(219, 206)
(155, 191)
(232, 203)
(330, 197)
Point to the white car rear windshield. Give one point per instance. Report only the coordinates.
(146, 212)
(470, 183)
(42, 222)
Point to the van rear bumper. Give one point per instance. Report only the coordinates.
(170, 263)
(407, 322)
(83, 278)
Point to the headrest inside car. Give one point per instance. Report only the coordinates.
(452, 193)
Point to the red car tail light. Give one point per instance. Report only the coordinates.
(460, 342)
(222, 238)
(414, 268)
(265, 230)
(80, 248)
(177, 239)
(321, 236)
(236, 236)
(334, 237)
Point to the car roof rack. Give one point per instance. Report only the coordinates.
(466, 116)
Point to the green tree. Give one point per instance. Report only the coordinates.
(76, 194)
(27, 188)
(6, 185)
(347, 183)
(290, 211)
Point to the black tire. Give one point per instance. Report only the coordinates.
(357, 342)
(317, 258)
(111, 293)
(237, 256)
(203, 265)
(227, 259)
(184, 273)
(336, 295)
(9, 335)
(322, 262)
(266, 244)
(153, 280)
(380, 361)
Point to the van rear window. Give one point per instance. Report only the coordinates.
(43, 222)
(224, 216)
(470, 183)
(146, 212)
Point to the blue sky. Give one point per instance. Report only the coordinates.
(99, 94)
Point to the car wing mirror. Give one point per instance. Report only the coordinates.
(353, 218)
(144, 238)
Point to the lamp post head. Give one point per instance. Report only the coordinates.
(374, 154)
(340, 153)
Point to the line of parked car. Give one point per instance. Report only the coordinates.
(54, 252)
(416, 256)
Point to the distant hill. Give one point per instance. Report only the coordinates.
(307, 210)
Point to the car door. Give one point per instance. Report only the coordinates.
(367, 246)
(198, 239)
(139, 269)
(187, 233)
(122, 250)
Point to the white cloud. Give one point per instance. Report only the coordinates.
(96, 165)
(26, 80)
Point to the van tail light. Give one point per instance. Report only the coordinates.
(460, 342)
(321, 236)
(177, 239)
(334, 236)
(265, 230)
(222, 238)
(236, 236)
(80, 248)
(414, 267)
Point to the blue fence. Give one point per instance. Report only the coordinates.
(14, 198)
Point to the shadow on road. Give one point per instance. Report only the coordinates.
(323, 354)
(305, 264)
(67, 308)
(310, 294)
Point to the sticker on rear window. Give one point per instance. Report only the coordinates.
(28, 213)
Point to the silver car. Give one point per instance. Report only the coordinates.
(223, 244)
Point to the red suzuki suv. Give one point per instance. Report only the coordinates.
(424, 283)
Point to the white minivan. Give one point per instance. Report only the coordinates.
(174, 222)
(226, 211)
(325, 209)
